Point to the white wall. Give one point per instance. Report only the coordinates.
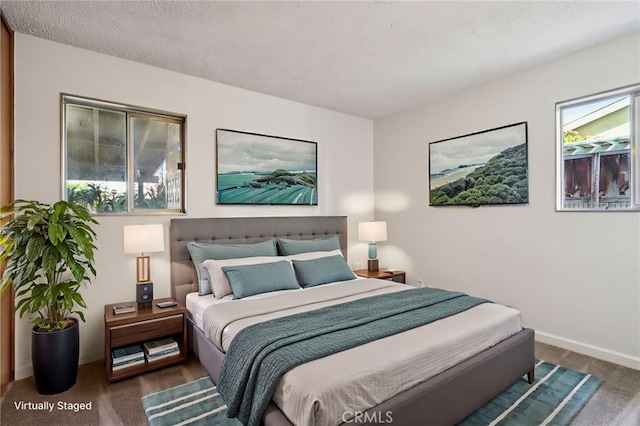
(44, 69)
(574, 276)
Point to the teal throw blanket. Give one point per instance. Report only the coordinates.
(261, 354)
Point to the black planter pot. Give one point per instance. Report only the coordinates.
(55, 359)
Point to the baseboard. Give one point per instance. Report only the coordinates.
(23, 373)
(590, 350)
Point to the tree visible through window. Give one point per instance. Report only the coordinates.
(596, 137)
(120, 159)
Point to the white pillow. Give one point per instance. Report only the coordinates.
(313, 255)
(219, 282)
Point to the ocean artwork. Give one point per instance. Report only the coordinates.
(483, 168)
(263, 169)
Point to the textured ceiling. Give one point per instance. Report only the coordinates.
(366, 58)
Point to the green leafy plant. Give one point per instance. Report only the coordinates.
(573, 136)
(101, 199)
(49, 251)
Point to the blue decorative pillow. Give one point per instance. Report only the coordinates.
(322, 271)
(288, 246)
(201, 252)
(248, 280)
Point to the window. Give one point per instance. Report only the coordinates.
(597, 156)
(121, 159)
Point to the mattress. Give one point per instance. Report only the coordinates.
(331, 390)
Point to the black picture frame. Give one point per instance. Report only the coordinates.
(258, 169)
(489, 167)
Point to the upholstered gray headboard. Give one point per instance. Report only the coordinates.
(240, 230)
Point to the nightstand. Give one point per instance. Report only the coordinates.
(143, 325)
(384, 274)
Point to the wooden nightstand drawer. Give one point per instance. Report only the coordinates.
(145, 330)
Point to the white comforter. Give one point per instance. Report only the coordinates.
(331, 390)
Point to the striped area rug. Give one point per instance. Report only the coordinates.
(194, 403)
(555, 398)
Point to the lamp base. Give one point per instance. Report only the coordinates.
(144, 294)
(372, 265)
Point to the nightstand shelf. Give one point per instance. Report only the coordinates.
(384, 274)
(143, 325)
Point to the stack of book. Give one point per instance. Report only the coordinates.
(159, 349)
(127, 357)
(123, 309)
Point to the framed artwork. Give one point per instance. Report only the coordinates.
(262, 169)
(483, 168)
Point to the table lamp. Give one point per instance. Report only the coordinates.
(143, 239)
(372, 232)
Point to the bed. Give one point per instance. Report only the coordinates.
(445, 397)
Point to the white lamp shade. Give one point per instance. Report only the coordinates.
(372, 231)
(143, 238)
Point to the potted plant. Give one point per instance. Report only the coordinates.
(49, 253)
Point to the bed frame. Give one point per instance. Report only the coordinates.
(444, 399)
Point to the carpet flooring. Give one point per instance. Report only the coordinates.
(616, 403)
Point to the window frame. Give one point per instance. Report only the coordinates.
(130, 111)
(633, 91)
